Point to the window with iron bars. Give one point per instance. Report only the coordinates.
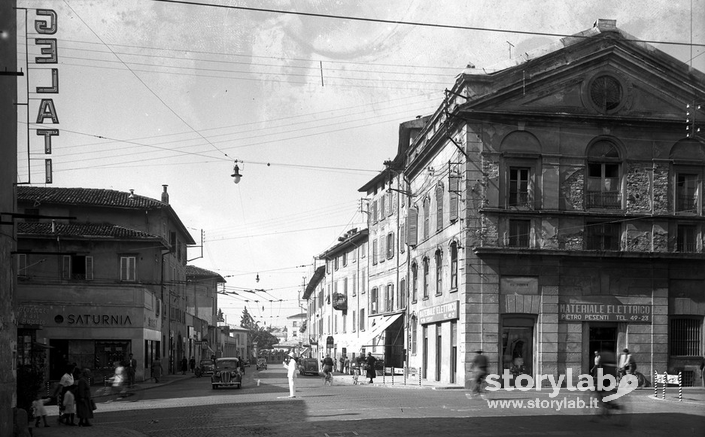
(684, 336)
(602, 236)
(519, 231)
(686, 240)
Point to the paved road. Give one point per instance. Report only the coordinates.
(190, 408)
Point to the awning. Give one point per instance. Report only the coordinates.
(380, 325)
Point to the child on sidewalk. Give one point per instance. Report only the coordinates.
(69, 407)
(40, 411)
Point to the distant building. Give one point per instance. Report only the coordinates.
(104, 279)
(202, 309)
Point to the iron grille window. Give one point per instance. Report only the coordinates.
(685, 336)
(519, 186)
(519, 233)
(686, 239)
(602, 236)
(687, 193)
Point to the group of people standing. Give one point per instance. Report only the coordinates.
(73, 396)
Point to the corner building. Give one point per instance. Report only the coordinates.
(556, 209)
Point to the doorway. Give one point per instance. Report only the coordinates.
(603, 339)
(58, 358)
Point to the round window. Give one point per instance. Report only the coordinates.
(606, 93)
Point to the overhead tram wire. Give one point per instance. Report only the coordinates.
(143, 82)
(412, 23)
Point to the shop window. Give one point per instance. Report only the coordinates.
(519, 232)
(686, 239)
(685, 336)
(602, 236)
(414, 333)
(107, 353)
(603, 175)
(128, 268)
(687, 188)
(77, 267)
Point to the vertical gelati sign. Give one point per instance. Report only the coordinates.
(46, 25)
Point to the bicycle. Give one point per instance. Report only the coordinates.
(328, 379)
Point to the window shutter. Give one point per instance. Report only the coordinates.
(22, 264)
(453, 190)
(66, 267)
(382, 248)
(374, 212)
(89, 268)
(392, 204)
(412, 225)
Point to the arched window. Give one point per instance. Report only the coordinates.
(603, 176)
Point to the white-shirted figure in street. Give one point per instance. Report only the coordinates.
(290, 364)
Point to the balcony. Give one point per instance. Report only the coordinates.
(603, 199)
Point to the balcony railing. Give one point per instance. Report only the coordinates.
(603, 199)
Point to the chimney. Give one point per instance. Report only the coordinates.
(165, 195)
(605, 25)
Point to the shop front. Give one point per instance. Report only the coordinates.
(95, 337)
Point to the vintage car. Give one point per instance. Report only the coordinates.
(308, 366)
(226, 373)
(205, 368)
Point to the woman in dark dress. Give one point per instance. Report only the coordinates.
(84, 406)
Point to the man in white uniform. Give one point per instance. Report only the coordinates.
(290, 365)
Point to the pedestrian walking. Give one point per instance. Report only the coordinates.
(118, 378)
(157, 370)
(627, 364)
(290, 364)
(131, 370)
(346, 365)
(192, 364)
(370, 366)
(39, 410)
(479, 369)
(184, 365)
(84, 400)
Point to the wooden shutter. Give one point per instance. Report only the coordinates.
(89, 268)
(66, 267)
(412, 226)
(453, 191)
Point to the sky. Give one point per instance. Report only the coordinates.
(304, 98)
